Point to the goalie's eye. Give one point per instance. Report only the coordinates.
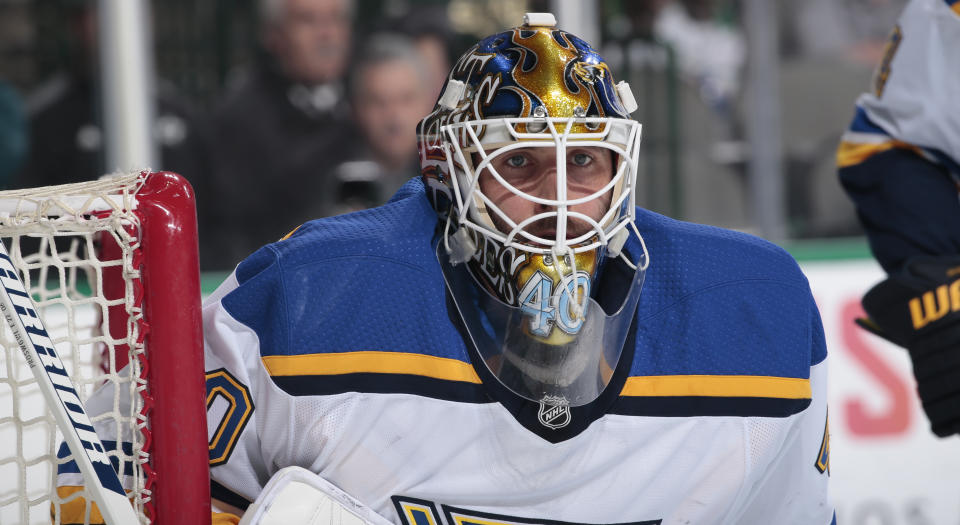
(581, 159)
(517, 161)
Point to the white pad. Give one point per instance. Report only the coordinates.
(296, 496)
(615, 245)
(452, 95)
(626, 96)
(461, 247)
(539, 20)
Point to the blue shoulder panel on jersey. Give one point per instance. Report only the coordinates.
(726, 326)
(722, 302)
(358, 299)
(256, 302)
(365, 281)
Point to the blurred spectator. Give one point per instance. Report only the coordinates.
(429, 28)
(642, 16)
(279, 131)
(828, 51)
(66, 134)
(13, 133)
(710, 53)
(686, 59)
(391, 89)
(852, 30)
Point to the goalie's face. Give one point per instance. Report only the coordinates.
(532, 180)
(530, 159)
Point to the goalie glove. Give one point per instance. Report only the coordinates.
(919, 309)
(296, 496)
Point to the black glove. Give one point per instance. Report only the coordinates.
(919, 309)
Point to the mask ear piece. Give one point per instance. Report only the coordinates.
(615, 245)
(452, 94)
(460, 247)
(626, 96)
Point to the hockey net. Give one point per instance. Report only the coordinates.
(112, 266)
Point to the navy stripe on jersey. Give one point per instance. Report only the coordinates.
(692, 406)
(416, 511)
(221, 493)
(459, 515)
(312, 385)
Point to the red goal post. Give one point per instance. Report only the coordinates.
(113, 266)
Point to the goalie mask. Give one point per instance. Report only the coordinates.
(530, 160)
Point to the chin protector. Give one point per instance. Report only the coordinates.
(919, 309)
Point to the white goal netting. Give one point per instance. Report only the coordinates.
(77, 249)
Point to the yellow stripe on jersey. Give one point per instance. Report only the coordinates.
(371, 362)
(717, 386)
(852, 153)
(956, 8)
(223, 518)
(459, 519)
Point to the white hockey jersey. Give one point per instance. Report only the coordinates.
(334, 350)
(914, 101)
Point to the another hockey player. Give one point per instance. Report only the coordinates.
(899, 163)
(495, 345)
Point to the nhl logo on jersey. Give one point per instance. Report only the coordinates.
(554, 412)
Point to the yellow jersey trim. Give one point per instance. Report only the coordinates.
(73, 506)
(853, 153)
(410, 508)
(223, 518)
(232, 422)
(378, 362)
(371, 362)
(287, 236)
(717, 386)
